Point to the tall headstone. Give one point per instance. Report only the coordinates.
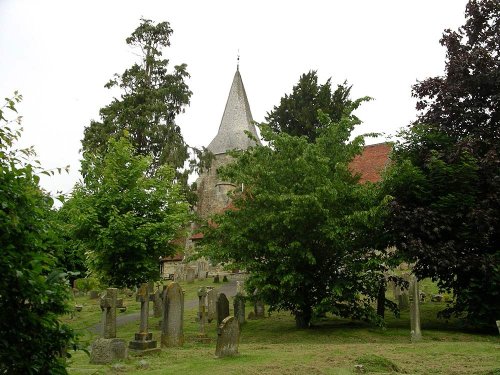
(172, 332)
(143, 339)
(108, 348)
(258, 306)
(158, 304)
(202, 314)
(228, 337)
(222, 308)
(239, 308)
(212, 304)
(416, 333)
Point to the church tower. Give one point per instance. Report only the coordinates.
(237, 118)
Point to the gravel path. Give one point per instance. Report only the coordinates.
(229, 289)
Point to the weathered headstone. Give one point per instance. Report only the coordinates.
(108, 348)
(212, 304)
(158, 304)
(498, 325)
(225, 279)
(228, 337)
(172, 331)
(239, 308)
(222, 307)
(216, 279)
(143, 339)
(416, 333)
(190, 274)
(258, 306)
(259, 309)
(202, 314)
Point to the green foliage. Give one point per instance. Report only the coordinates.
(446, 172)
(127, 216)
(33, 292)
(303, 227)
(297, 113)
(152, 96)
(86, 284)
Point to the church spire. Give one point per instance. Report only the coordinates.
(236, 119)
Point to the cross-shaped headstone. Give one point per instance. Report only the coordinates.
(108, 307)
(143, 339)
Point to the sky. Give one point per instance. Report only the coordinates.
(59, 55)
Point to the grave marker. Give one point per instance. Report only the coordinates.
(228, 338)
(172, 331)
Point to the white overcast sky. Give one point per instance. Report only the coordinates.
(59, 55)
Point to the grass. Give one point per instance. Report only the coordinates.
(333, 346)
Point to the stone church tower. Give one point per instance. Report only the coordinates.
(237, 118)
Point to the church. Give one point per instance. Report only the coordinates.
(213, 192)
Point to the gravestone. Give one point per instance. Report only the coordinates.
(158, 304)
(258, 306)
(498, 325)
(202, 314)
(216, 279)
(108, 348)
(190, 275)
(239, 308)
(416, 333)
(222, 307)
(172, 331)
(94, 294)
(228, 338)
(143, 342)
(212, 304)
(259, 309)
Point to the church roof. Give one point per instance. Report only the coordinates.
(236, 119)
(371, 162)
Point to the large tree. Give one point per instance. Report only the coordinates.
(446, 177)
(128, 216)
(301, 226)
(152, 96)
(297, 113)
(33, 291)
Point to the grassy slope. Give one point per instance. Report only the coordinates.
(274, 346)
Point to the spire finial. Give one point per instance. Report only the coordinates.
(238, 61)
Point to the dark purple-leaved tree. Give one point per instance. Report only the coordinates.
(445, 180)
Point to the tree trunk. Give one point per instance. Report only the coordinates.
(381, 299)
(303, 317)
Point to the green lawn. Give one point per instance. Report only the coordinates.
(333, 346)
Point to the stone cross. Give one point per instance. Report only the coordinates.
(228, 337)
(211, 303)
(108, 307)
(239, 308)
(172, 330)
(143, 339)
(222, 307)
(416, 333)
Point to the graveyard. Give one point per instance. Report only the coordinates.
(273, 345)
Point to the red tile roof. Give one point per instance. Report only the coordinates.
(175, 258)
(372, 162)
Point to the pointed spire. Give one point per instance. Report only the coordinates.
(236, 119)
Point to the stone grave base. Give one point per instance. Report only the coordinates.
(105, 351)
(144, 352)
(142, 342)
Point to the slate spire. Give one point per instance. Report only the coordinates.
(236, 119)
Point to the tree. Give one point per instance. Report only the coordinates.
(33, 292)
(297, 113)
(301, 226)
(152, 97)
(446, 175)
(128, 217)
